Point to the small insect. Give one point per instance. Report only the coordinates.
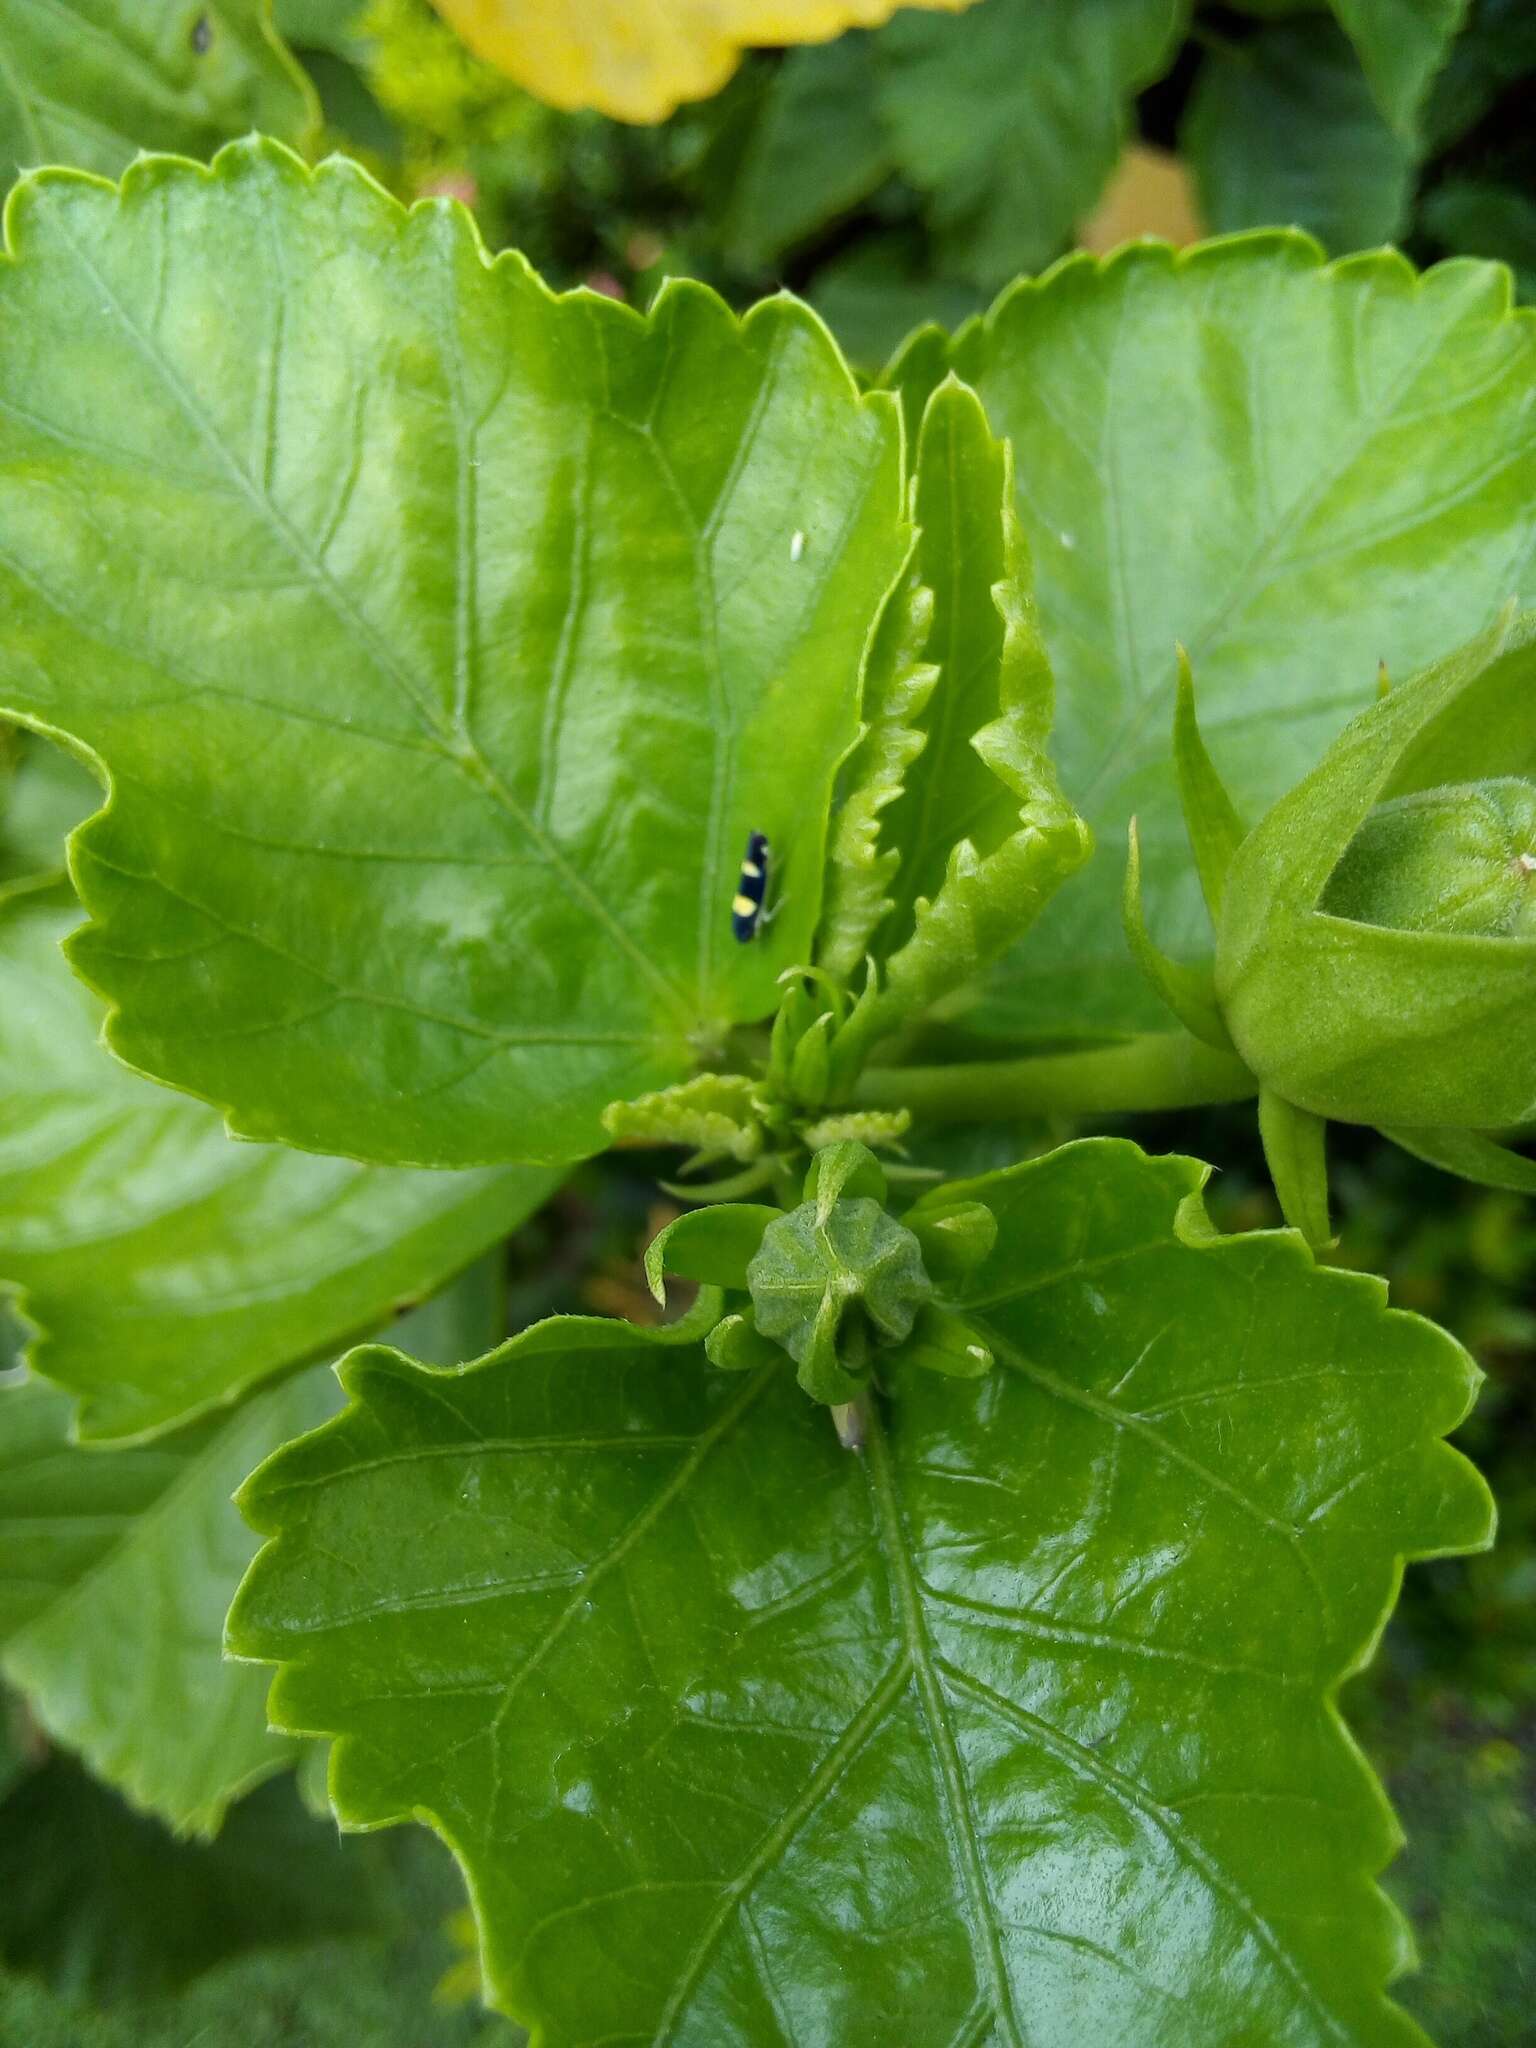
(796, 546)
(751, 888)
(202, 36)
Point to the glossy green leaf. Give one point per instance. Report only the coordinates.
(983, 833)
(1283, 130)
(1011, 119)
(102, 1903)
(92, 82)
(167, 1268)
(1018, 1729)
(1293, 469)
(497, 600)
(118, 1567)
(1402, 44)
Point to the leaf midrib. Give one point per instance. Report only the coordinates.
(964, 1839)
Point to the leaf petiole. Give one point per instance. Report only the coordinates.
(1158, 1070)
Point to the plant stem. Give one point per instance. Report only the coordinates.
(1159, 1070)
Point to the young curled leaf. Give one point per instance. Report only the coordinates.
(984, 833)
(716, 1114)
(875, 1128)
(860, 869)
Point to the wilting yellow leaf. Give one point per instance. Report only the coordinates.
(638, 59)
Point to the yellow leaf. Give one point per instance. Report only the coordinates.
(638, 59)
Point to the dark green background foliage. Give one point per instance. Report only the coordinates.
(905, 173)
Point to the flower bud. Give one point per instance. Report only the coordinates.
(1376, 945)
(1459, 859)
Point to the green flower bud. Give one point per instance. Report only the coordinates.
(1461, 859)
(837, 1276)
(1376, 944)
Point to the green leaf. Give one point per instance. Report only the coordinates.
(92, 82)
(1292, 469)
(1402, 44)
(1011, 119)
(1495, 50)
(169, 1269)
(982, 831)
(496, 597)
(1482, 217)
(102, 1903)
(119, 1568)
(1283, 129)
(816, 148)
(334, 25)
(1019, 1728)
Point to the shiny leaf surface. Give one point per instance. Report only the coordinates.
(167, 1268)
(1018, 1728)
(92, 82)
(1296, 470)
(495, 600)
(118, 1571)
(640, 64)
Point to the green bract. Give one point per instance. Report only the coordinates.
(1019, 1727)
